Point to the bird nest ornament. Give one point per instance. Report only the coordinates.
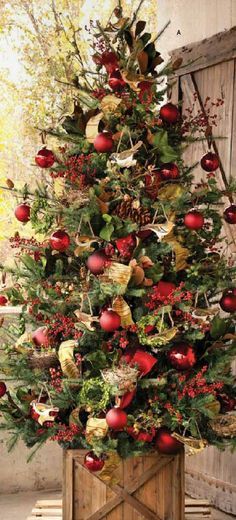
(123, 378)
(43, 360)
(224, 425)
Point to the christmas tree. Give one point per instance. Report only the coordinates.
(121, 345)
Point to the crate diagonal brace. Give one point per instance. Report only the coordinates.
(126, 494)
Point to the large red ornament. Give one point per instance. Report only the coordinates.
(3, 300)
(169, 113)
(59, 240)
(45, 158)
(40, 337)
(166, 443)
(109, 320)
(103, 143)
(165, 288)
(144, 360)
(194, 220)
(169, 171)
(230, 214)
(126, 246)
(97, 262)
(228, 301)
(116, 419)
(92, 462)
(116, 81)
(3, 389)
(22, 212)
(182, 356)
(210, 162)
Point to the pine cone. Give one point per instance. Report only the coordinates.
(131, 209)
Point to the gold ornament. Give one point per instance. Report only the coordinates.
(109, 104)
(109, 471)
(95, 429)
(119, 273)
(170, 192)
(121, 307)
(192, 446)
(66, 358)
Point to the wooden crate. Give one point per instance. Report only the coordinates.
(150, 487)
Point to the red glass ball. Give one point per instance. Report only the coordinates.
(40, 337)
(166, 443)
(116, 81)
(194, 220)
(165, 288)
(45, 158)
(126, 245)
(92, 462)
(103, 142)
(96, 262)
(109, 320)
(59, 240)
(169, 113)
(228, 301)
(182, 356)
(169, 171)
(230, 214)
(210, 162)
(3, 389)
(3, 300)
(116, 419)
(22, 212)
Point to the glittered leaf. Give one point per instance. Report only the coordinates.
(92, 127)
(170, 192)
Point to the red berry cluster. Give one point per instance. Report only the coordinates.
(56, 380)
(197, 385)
(203, 118)
(156, 300)
(99, 93)
(66, 433)
(61, 327)
(78, 169)
(119, 340)
(27, 246)
(173, 412)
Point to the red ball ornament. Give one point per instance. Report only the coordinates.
(92, 462)
(126, 246)
(59, 240)
(116, 81)
(22, 212)
(182, 356)
(228, 301)
(40, 337)
(116, 419)
(3, 389)
(230, 214)
(165, 288)
(103, 142)
(169, 113)
(166, 443)
(194, 220)
(97, 262)
(210, 162)
(109, 320)
(169, 171)
(3, 300)
(45, 158)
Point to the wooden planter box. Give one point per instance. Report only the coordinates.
(150, 487)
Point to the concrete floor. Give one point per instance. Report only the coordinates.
(18, 506)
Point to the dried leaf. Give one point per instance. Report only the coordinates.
(10, 184)
(109, 104)
(156, 61)
(177, 63)
(181, 253)
(140, 26)
(92, 127)
(138, 275)
(59, 185)
(142, 58)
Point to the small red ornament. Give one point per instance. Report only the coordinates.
(3, 389)
(3, 300)
(182, 356)
(45, 158)
(92, 462)
(127, 398)
(116, 419)
(165, 288)
(126, 246)
(169, 113)
(103, 143)
(152, 184)
(22, 212)
(40, 337)
(116, 81)
(166, 443)
(230, 214)
(210, 162)
(144, 360)
(194, 220)
(228, 404)
(97, 262)
(109, 320)
(59, 240)
(169, 171)
(228, 301)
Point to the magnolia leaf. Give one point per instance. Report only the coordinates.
(92, 127)
(219, 327)
(142, 58)
(106, 232)
(140, 26)
(166, 152)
